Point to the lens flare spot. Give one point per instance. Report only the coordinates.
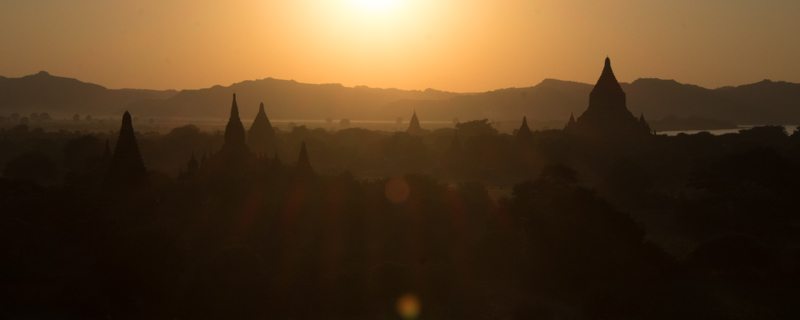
(408, 306)
(397, 190)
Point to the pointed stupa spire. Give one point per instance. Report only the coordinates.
(234, 108)
(643, 123)
(126, 169)
(303, 164)
(413, 125)
(261, 136)
(607, 90)
(524, 136)
(571, 121)
(234, 131)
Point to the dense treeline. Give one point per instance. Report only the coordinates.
(692, 226)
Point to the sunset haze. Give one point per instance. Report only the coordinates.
(461, 46)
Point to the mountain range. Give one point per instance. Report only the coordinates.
(60, 96)
(765, 102)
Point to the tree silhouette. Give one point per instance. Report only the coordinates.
(32, 165)
(476, 127)
(82, 152)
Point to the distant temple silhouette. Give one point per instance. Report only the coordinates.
(524, 137)
(235, 145)
(413, 125)
(126, 170)
(608, 117)
(303, 167)
(241, 155)
(261, 136)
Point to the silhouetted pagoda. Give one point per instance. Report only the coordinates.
(261, 136)
(234, 134)
(571, 121)
(234, 159)
(413, 125)
(524, 137)
(126, 170)
(303, 166)
(608, 117)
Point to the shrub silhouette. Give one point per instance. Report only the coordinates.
(32, 165)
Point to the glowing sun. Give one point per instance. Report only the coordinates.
(375, 5)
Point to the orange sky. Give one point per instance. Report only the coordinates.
(454, 45)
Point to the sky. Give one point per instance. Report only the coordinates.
(452, 45)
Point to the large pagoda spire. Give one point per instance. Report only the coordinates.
(607, 118)
(607, 92)
(127, 168)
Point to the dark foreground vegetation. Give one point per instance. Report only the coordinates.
(693, 226)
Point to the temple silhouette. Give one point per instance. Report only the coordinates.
(241, 155)
(261, 136)
(607, 117)
(126, 169)
(524, 137)
(413, 126)
(244, 154)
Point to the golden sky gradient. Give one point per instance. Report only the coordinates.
(454, 45)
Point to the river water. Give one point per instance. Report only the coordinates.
(789, 130)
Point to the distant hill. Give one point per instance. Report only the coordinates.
(549, 100)
(673, 123)
(285, 99)
(62, 97)
(765, 102)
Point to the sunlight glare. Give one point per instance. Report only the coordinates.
(376, 5)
